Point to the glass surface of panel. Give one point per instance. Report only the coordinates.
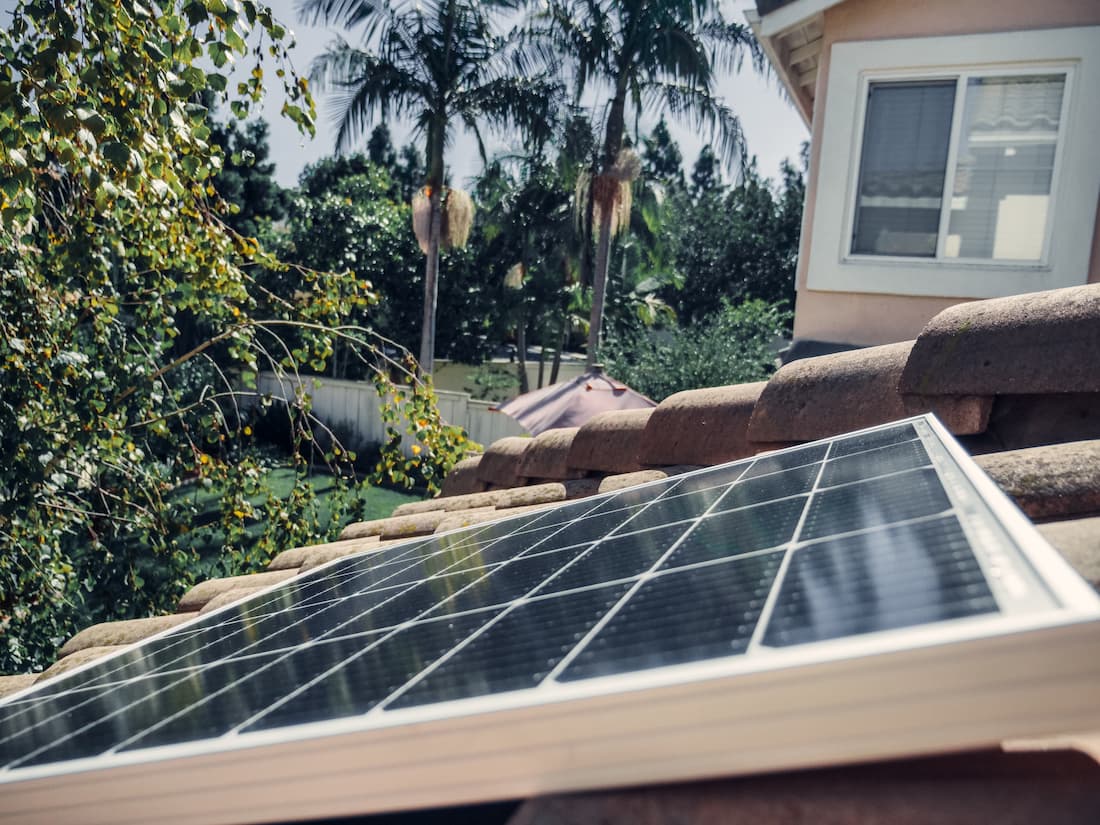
(882, 580)
(682, 616)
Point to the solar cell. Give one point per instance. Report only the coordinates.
(882, 561)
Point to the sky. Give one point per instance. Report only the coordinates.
(772, 128)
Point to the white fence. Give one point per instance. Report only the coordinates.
(352, 410)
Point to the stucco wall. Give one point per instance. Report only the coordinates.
(879, 319)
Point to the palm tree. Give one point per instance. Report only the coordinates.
(439, 63)
(655, 55)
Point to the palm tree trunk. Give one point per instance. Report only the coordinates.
(521, 350)
(613, 141)
(436, 141)
(431, 286)
(542, 358)
(556, 366)
(599, 287)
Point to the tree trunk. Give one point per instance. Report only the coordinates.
(431, 286)
(436, 135)
(521, 351)
(542, 359)
(556, 366)
(599, 287)
(613, 141)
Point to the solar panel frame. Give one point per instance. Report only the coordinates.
(661, 724)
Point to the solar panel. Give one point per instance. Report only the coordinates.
(869, 596)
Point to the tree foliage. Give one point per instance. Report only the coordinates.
(652, 55)
(735, 242)
(734, 345)
(246, 179)
(440, 63)
(114, 251)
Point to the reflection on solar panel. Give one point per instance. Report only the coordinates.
(865, 597)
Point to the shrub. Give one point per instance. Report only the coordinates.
(733, 346)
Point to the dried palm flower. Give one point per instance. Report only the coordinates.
(458, 218)
(610, 190)
(422, 218)
(580, 199)
(615, 195)
(514, 278)
(627, 166)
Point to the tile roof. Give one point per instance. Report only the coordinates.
(704, 426)
(463, 478)
(119, 633)
(1044, 342)
(609, 442)
(547, 456)
(1016, 378)
(832, 394)
(499, 467)
(1054, 481)
(197, 597)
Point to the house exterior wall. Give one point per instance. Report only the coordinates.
(864, 318)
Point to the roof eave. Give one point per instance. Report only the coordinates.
(791, 38)
(803, 104)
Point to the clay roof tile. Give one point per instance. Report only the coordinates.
(75, 660)
(499, 466)
(16, 682)
(833, 394)
(1078, 540)
(547, 456)
(292, 559)
(1043, 342)
(1052, 481)
(123, 632)
(197, 597)
(463, 478)
(707, 426)
(609, 442)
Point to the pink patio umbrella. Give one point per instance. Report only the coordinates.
(571, 403)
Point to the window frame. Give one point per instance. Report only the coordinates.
(961, 79)
(1072, 208)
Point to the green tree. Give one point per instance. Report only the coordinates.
(111, 232)
(247, 177)
(349, 212)
(706, 174)
(735, 344)
(735, 243)
(347, 215)
(380, 147)
(441, 63)
(662, 161)
(654, 54)
(527, 249)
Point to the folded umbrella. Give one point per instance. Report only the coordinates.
(571, 403)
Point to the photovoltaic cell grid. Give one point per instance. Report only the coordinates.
(823, 542)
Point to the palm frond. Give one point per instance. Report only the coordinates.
(346, 13)
(729, 45)
(709, 113)
(364, 85)
(530, 103)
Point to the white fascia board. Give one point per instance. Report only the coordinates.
(792, 15)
